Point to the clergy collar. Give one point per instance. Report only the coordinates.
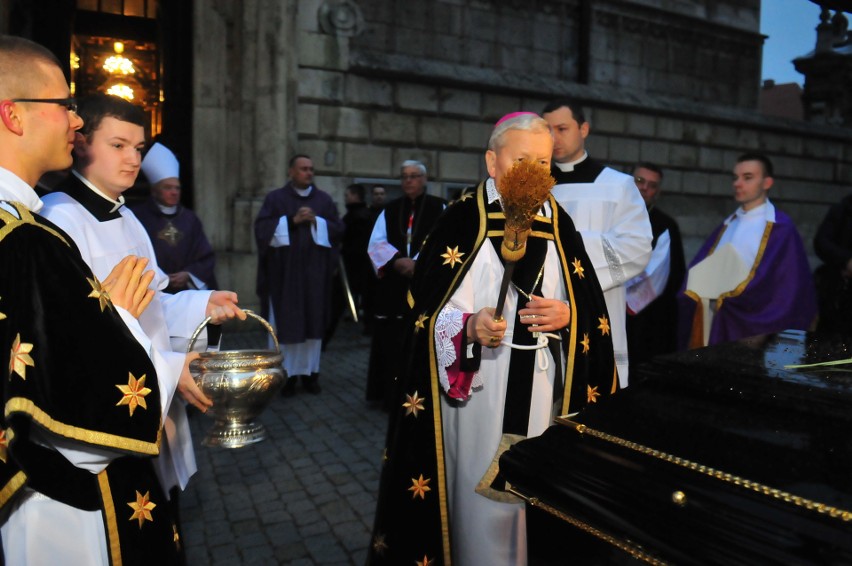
(303, 192)
(568, 167)
(96, 202)
(167, 210)
(13, 188)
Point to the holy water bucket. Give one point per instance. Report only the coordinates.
(241, 383)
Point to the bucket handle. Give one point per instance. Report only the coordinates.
(248, 312)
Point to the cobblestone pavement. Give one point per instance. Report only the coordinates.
(307, 494)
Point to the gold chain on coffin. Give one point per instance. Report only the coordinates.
(634, 550)
(822, 508)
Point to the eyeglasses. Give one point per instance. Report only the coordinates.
(70, 104)
(410, 177)
(653, 185)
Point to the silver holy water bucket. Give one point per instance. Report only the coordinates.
(241, 383)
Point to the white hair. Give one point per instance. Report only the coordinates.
(414, 163)
(526, 122)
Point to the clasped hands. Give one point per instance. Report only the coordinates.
(305, 214)
(540, 314)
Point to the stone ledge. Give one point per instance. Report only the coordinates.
(528, 84)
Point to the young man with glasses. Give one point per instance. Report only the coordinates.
(652, 295)
(83, 401)
(397, 235)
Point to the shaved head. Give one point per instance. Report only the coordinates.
(17, 59)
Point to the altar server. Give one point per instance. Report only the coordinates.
(607, 210)
(89, 206)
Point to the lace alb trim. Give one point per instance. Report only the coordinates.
(613, 262)
(448, 324)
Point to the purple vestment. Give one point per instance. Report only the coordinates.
(297, 277)
(780, 294)
(179, 242)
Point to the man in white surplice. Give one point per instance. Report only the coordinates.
(88, 205)
(607, 210)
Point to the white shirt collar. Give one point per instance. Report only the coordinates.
(303, 192)
(566, 167)
(14, 188)
(765, 211)
(116, 203)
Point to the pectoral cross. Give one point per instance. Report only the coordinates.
(170, 234)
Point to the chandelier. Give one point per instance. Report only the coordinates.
(118, 64)
(120, 69)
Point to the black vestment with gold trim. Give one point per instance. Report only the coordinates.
(75, 372)
(411, 530)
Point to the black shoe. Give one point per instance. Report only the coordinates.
(289, 388)
(311, 384)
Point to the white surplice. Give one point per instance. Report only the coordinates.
(611, 216)
(103, 245)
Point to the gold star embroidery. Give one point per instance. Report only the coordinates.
(592, 394)
(142, 508)
(20, 357)
(419, 323)
(453, 256)
(425, 562)
(379, 544)
(134, 394)
(578, 268)
(2, 314)
(413, 404)
(99, 293)
(604, 325)
(465, 196)
(4, 446)
(419, 487)
(585, 342)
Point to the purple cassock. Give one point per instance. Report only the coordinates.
(179, 242)
(778, 294)
(296, 277)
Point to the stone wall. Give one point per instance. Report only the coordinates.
(363, 97)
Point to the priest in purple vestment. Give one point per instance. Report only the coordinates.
(297, 232)
(751, 276)
(180, 244)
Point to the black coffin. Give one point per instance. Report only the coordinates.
(713, 456)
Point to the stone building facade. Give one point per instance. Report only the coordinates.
(362, 85)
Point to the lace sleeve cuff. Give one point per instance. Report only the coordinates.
(448, 344)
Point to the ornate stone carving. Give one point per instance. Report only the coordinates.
(342, 18)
